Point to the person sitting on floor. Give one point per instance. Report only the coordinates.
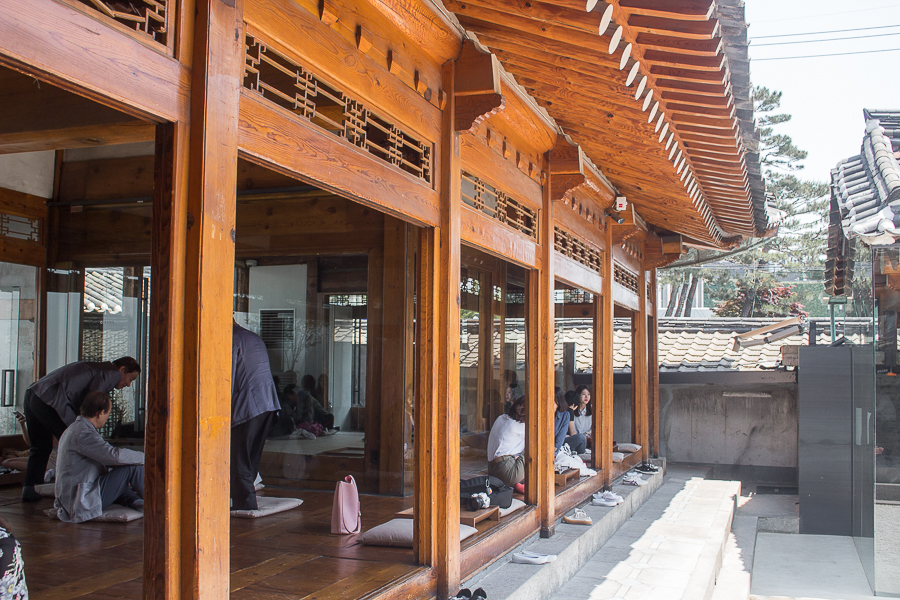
(92, 475)
(506, 445)
(583, 414)
(52, 403)
(562, 419)
(321, 416)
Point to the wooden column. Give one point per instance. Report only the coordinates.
(603, 365)
(187, 515)
(165, 369)
(653, 368)
(540, 488)
(446, 303)
(639, 376)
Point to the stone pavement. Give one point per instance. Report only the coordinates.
(670, 549)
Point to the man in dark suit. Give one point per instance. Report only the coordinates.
(254, 410)
(52, 403)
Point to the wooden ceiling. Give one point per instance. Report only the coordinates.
(644, 86)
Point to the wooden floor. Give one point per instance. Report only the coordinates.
(290, 555)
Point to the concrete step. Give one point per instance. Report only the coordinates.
(671, 548)
(573, 545)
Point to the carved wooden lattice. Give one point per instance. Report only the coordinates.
(145, 16)
(20, 228)
(625, 278)
(485, 198)
(572, 247)
(290, 86)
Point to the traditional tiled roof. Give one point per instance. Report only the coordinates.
(866, 187)
(103, 290)
(685, 345)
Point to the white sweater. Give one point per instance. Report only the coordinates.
(507, 438)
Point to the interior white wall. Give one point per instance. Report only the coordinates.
(28, 172)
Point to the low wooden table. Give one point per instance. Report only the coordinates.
(566, 476)
(466, 517)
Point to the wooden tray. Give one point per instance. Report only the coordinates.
(566, 476)
(466, 517)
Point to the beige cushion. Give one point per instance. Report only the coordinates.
(618, 457)
(113, 514)
(516, 505)
(268, 505)
(47, 490)
(628, 447)
(399, 533)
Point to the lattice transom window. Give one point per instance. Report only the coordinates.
(569, 245)
(20, 228)
(145, 16)
(483, 197)
(625, 278)
(292, 87)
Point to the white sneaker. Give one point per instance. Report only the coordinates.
(602, 502)
(633, 479)
(608, 496)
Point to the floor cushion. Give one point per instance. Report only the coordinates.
(516, 505)
(268, 505)
(114, 514)
(399, 533)
(47, 490)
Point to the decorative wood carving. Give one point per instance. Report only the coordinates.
(625, 278)
(146, 16)
(477, 87)
(483, 197)
(289, 85)
(571, 246)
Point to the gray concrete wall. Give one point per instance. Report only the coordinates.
(753, 426)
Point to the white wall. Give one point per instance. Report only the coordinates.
(28, 172)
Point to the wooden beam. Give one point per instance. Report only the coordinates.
(446, 314)
(544, 300)
(425, 25)
(487, 234)
(212, 178)
(164, 503)
(685, 10)
(603, 367)
(666, 43)
(77, 137)
(477, 87)
(68, 48)
(698, 30)
(296, 147)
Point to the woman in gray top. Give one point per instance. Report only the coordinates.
(53, 402)
(91, 475)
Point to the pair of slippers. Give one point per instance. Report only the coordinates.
(526, 557)
(466, 594)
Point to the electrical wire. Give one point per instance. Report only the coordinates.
(854, 37)
(846, 12)
(824, 55)
(763, 37)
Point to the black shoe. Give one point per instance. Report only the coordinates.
(463, 594)
(479, 594)
(647, 468)
(29, 494)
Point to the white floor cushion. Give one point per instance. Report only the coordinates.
(268, 505)
(47, 490)
(399, 533)
(113, 514)
(628, 447)
(516, 505)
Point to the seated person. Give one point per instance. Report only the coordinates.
(289, 418)
(583, 414)
(506, 445)
(562, 420)
(91, 475)
(321, 416)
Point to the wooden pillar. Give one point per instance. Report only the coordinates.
(446, 303)
(639, 376)
(165, 369)
(603, 365)
(568, 366)
(375, 310)
(653, 368)
(189, 413)
(540, 488)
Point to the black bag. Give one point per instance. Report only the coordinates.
(500, 494)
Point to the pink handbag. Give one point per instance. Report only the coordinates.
(345, 514)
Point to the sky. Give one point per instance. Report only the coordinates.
(826, 96)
